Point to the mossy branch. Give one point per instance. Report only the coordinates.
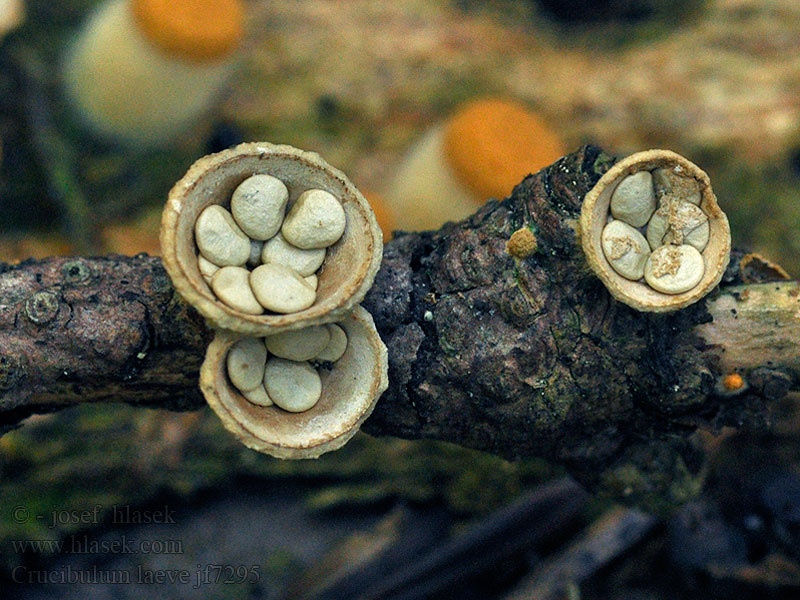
(512, 348)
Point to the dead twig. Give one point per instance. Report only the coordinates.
(518, 356)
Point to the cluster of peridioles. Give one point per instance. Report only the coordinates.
(687, 245)
(293, 379)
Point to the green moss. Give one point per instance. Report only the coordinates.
(653, 476)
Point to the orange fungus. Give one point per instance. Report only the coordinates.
(493, 144)
(196, 30)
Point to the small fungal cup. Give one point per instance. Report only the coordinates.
(350, 389)
(688, 180)
(349, 266)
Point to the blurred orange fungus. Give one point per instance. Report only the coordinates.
(196, 30)
(493, 144)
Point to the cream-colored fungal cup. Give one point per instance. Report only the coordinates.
(687, 244)
(141, 72)
(350, 387)
(348, 264)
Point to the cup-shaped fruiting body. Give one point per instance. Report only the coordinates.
(350, 387)
(142, 71)
(290, 299)
(652, 230)
(486, 148)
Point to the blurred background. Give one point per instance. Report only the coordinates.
(104, 105)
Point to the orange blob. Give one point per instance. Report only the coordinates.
(196, 30)
(381, 209)
(493, 144)
(522, 243)
(733, 382)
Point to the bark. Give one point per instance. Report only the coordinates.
(515, 356)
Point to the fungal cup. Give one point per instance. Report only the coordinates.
(350, 389)
(350, 264)
(688, 179)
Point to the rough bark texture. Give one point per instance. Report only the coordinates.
(515, 356)
(95, 329)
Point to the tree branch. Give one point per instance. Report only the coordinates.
(515, 356)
